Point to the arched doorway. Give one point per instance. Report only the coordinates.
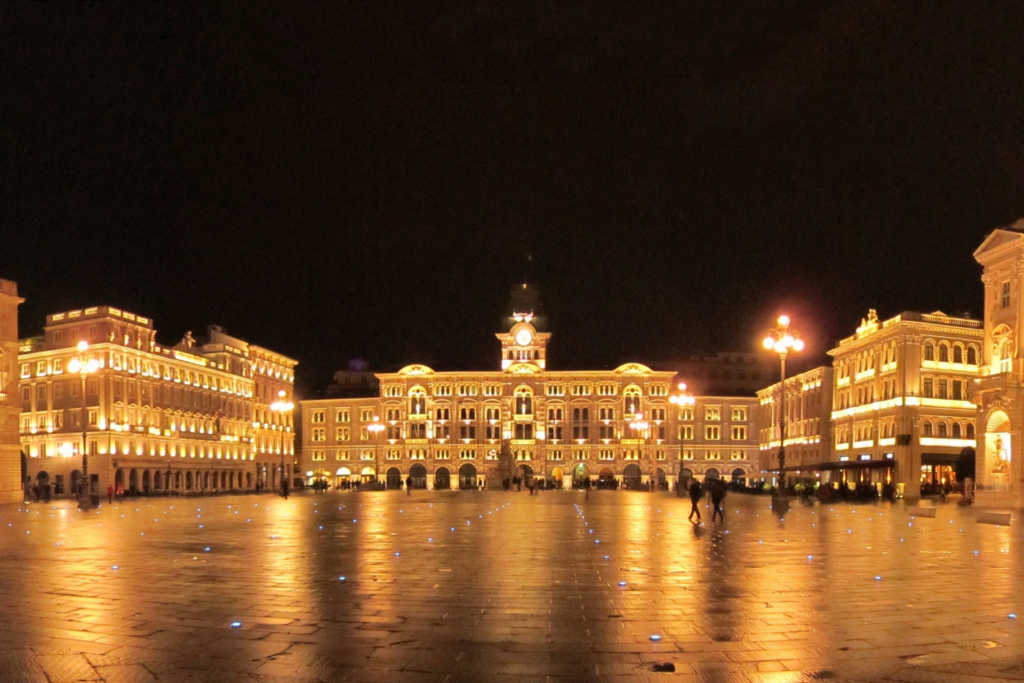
(133, 481)
(467, 476)
(145, 481)
(662, 479)
(188, 481)
(177, 481)
(394, 478)
(606, 478)
(555, 478)
(158, 481)
(342, 477)
(119, 478)
(524, 472)
(442, 479)
(418, 474)
(580, 474)
(739, 476)
(631, 477)
(368, 474)
(712, 473)
(248, 480)
(42, 481)
(206, 481)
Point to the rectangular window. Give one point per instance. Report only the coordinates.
(1006, 295)
(58, 420)
(341, 434)
(713, 455)
(469, 431)
(607, 432)
(554, 390)
(687, 454)
(958, 394)
(442, 431)
(606, 454)
(467, 454)
(555, 432)
(712, 432)
(320, 434)
(737, 455)
(929, 391)
(366, 415)
(40, 368)
(58, 366)
(686, 432)
(25, 371)
(943, 388)
(58, 389)
(686, 414)
(524, 431)
(442, 454)
(319, 455)
(581, 432)
(739, 432)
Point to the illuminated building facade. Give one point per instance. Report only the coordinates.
(901, 400)
(808, 424)
(10, 448)
(448, 429)
(188, 418)
(998, 389)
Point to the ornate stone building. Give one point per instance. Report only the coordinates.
(448, 429)
(192, 417)
(998, 390)
(10, 449)
(902, 409)
(808, 424)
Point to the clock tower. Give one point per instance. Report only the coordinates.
(524, 339)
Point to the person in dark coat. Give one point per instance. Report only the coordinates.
(696, 493)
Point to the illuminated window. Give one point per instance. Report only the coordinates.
(970, 431)
(739, 414)
(686, 414)
(958, 354)
(606, 413)
(712, 413)
(317, 416)
(1005, 300)
(972, 356)
(686, 432)
(443, 390)
(712, 455)
(442, 454)
(393, 390)
(319, 455)
(929, 391)
(40, 368)
(581, 390)
(712, 432)
(342, 434)
(492, 390)
(444, 414)
(554, 454)
(687, 454)
(25, 371)
(417, 430)
(606, 454)
(606, 389)
(929, 351)
(555, 390)
(659, 390)
(467, 454)
(739, 432)
(737, 455)
(927, 428)
(320, 434)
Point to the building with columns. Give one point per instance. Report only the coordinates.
(902, 407)
(449, 429)
(997, 391)
(808, 424)
(189, 418)
(10, 447)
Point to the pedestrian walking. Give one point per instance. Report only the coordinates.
(717, 495)
(408, 485)
(110, 493)
(696, 493)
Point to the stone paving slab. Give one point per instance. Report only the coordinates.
(496, 586)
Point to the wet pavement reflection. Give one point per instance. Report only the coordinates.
(492, 586)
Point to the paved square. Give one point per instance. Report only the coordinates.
(496, 586)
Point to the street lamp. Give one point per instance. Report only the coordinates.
(376, 427)
(283, 406)
(84, 366)
(782, 340)
(639, 426)
(681, 398)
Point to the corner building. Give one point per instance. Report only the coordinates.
(190, 418)
(449, 429)
(902, 406)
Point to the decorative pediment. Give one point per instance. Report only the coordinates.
(415, 370)
(523, 369)
(633, 369)
(1000, 237)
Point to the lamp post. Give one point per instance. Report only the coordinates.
(283, 406)
(782, 339)
(682, 398)
(84, 366)
(376, 427)
(639, 426)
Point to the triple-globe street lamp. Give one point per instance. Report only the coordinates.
(640, 428)
(782, 339)
(284, 406)
(84, 366)
(376, 427)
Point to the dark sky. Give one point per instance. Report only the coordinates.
(363, 179)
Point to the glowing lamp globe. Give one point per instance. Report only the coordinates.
(768, 343)
(83, 345)
(783, 320)
(74, 365)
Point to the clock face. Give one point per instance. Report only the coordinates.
(524, 337)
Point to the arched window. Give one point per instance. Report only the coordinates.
(972, 355)
(631, 400)
(942, 430)
(958, 354)
(943, 353)
(927, 428)
(929, 351)
(970, 431)
(524, 402)
(956, 430)
(417, 402)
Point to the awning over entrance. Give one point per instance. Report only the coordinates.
(939, 458)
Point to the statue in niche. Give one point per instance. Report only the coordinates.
(1002, 457)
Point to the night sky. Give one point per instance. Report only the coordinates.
(365, 179)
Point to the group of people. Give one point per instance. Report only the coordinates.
(716, 490)
(115, 493)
